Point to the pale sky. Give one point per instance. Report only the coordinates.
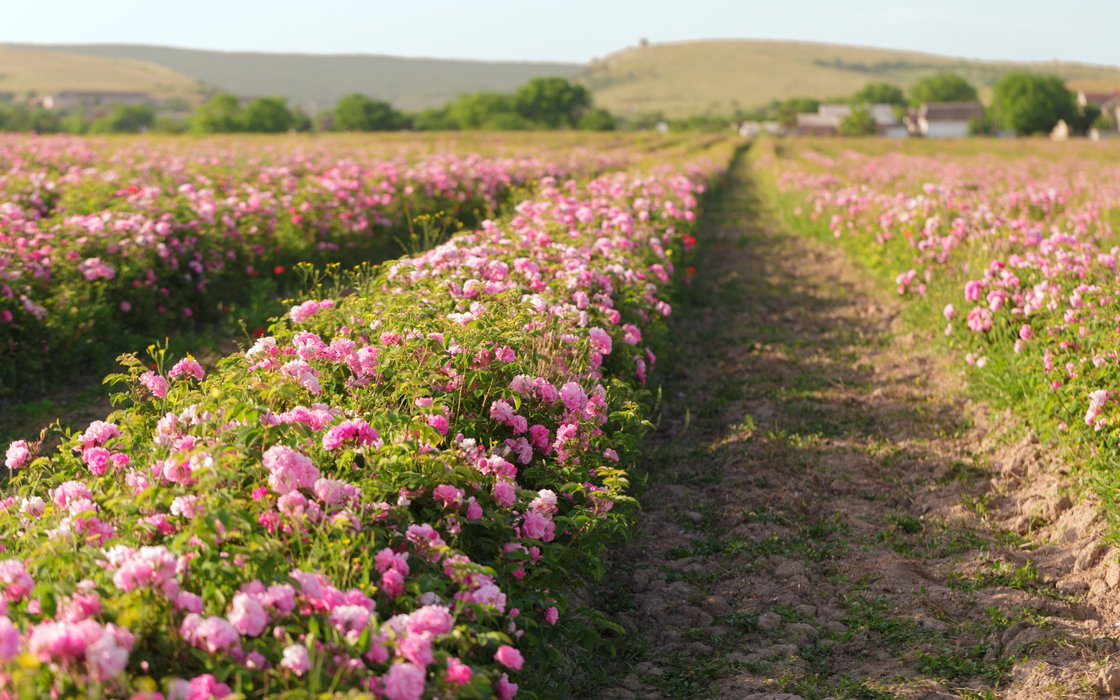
(573, 30)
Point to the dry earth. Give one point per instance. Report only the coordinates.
(827, 516)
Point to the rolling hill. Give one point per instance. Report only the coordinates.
(25, 70)
(318, 81)
(698, 77)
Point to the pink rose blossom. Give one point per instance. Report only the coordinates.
(509, 657)
(404, 682)
(296, 659)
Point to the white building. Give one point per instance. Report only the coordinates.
(944, 120)
(828, 117)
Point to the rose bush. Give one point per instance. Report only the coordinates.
(132, 238)
(1013, 258)
(390, 492)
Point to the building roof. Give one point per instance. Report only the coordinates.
(950, 111)
(835, 110)
(815, 120)
(1097, 98)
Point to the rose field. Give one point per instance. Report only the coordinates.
(1011, 255)
(558, 416)
(389, 491)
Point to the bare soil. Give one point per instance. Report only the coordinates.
(829, 516)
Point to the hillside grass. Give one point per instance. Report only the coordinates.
(317, 81)
(718, 76)
(24, 70)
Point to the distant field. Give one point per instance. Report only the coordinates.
(715, 77)
(25, 70)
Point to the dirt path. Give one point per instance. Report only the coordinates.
(827, 517)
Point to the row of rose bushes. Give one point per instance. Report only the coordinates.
(99, 240)
(1015, 257)
(391, 493)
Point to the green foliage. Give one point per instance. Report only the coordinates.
(1084, 120)
(125, 119)
(302, 121)
(597, 119)
(880, 93)
(219, 115)
(268, 115)
(165, 124)
(434, 120)
(356, 112)
(473, 110)
(22, 118)
(787, 112)
(705, 123)
(507, 121)
(942, 87)
(552, 102)
(75, 123)
(986, 124)
(542, 103)
(1030, 103)
(858, 123)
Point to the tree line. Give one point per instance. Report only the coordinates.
(1023, 103)
(542, 103)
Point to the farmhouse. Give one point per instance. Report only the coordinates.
(1096, 99)
(943, 120)
(816, 124)
(68, 99)
(828, 117)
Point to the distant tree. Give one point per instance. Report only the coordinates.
(268, 115)
(8, 118)
(166, 124)
(76, 122)
(302, 121)
(982, 125)
(473, 110)
(506, 121)
(1032, 103)
(1106, 121)
(434, 119)
(1084, 119)
(788, 110)
(552, 102)
(44, 121)
(356, 112)
(858, 123)
(597, 119)
(701, 122)
(218, 115)
(879, 93)
(125, 119)
(942, 87)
